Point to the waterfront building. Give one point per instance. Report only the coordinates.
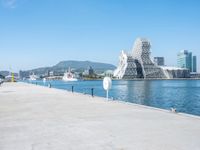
(174, 72)
(159, 61)
(89, 71)
(47, 73)
(23, 74)
(195, 75)
(138, 64)
(51, 73)
(108, 73)
(194, 64)
(184, 59)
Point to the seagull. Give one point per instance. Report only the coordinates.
(173, 110)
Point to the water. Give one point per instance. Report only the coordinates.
(184, 95)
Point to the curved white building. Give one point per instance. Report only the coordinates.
(138, 64)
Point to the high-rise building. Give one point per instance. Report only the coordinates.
(194, 64)
(184, 60)
(159, 61)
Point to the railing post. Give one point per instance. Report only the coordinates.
(72, 89)
(92, 92)
(49, 85)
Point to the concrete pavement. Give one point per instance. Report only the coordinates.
(39, 118)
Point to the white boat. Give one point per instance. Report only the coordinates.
(68, 76)
(33, 77)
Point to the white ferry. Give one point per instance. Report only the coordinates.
(33, 77)
(68, 76)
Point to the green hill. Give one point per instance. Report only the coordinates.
(78, 66)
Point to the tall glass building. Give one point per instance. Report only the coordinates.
(186, 60)
(194, 64)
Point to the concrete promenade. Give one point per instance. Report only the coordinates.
(39, 118)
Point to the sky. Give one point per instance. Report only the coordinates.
(39, 33)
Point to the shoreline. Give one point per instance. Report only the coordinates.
(118, 100)
(136, 79)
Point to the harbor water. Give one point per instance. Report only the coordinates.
(184, 95)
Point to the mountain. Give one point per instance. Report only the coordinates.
(4, 73)
(78, 66)
(82, 65)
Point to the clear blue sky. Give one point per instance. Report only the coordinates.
(36, 33)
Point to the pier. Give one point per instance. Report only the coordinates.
(33, 117)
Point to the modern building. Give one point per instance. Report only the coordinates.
(23, 74)
(159, 61)
(138, 64)
(47, 73)
(194, 64)
(184, 60)
(195, 75)
(89, 71)
(108, 73)
(51, 73)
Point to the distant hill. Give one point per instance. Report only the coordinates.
(82, 65)
(4, 73)
(78, 66)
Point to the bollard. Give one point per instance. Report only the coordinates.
(72, 89)
(92, 92)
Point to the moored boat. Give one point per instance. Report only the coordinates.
(68, 76)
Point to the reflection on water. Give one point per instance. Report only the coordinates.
(133, 91)
(184, 95)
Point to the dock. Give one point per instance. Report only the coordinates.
(34, 117)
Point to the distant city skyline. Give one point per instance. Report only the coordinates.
(42, 33)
